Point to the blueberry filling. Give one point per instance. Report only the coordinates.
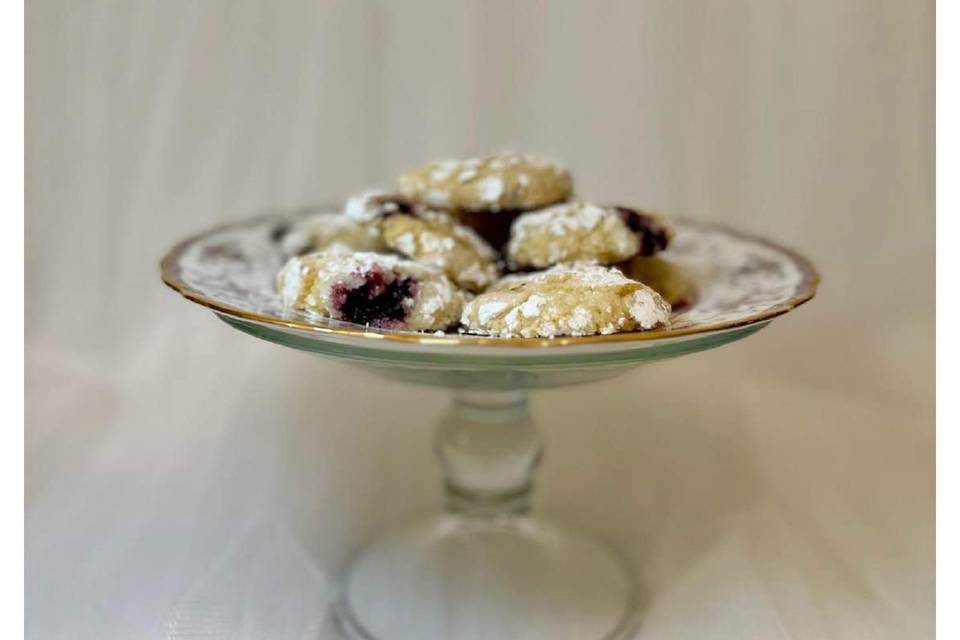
(653, 235)
(378, 302)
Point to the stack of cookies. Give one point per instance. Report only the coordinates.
(493, 246)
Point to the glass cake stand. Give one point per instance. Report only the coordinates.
(488, 568)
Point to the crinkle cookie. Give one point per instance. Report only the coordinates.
(371, 289)
(669, 280)
(493, 183)
(323, 231)
(327, 230)
(582, 231)
(576, 299)
(653, 231)
(429, 237)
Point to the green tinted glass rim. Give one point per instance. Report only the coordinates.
(360, 351)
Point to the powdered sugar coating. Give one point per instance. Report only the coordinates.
(572, 299)
(372, 205)
(505, 181)
(427, 236)
(312, 283)
(436, 239)
(570, 232)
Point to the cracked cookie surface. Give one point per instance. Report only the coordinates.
(577, 299)
(493, 183)
(429, 237)
(580, 231)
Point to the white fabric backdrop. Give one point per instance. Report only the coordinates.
(185, 481)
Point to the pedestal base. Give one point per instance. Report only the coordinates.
(462, 578)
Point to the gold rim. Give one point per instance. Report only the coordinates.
(806, 291)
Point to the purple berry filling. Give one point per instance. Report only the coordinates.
(653, 235)
(378, 302)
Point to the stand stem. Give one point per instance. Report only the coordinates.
(486, 569)
(489, 449)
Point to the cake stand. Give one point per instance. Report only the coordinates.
(486, 567)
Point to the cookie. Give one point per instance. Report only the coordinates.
(575, 299)
(372, 289)
(325, 230)
(372, 206)
(666, 278)
(653, 230)
(429, 237)
(580, 231)
(434, 238)
(494, 183)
